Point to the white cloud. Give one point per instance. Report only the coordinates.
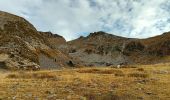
(72, 18)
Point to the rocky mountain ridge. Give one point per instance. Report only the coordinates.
(103, 49)
(23, 47)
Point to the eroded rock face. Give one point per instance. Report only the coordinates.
(17, 63)
(47, 62)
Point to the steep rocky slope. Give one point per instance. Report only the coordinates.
(159, 45)
(54, 40)
(25, 47)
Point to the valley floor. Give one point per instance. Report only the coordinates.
(140, 83)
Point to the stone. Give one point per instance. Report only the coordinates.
(14, 98)
(149, 93)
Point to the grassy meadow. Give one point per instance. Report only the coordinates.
(149, 82)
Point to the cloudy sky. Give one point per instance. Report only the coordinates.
(73, 18)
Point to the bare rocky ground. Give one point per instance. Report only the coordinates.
(140, 83)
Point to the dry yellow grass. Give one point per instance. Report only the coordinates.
(144, 82)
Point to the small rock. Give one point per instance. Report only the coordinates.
(161, 72)
(99, 94)
(149, 93)
(142, 81)
(139, 89)
(51, 96)
(36, 98)
(14, 98)
(82, 98)
(48, 92)
(29, 95)
(69, 97)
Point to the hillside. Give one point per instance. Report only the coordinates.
(98, 49)
(26, 48)
(103, 49)
(23, 47)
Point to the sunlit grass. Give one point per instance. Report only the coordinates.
(147, 82)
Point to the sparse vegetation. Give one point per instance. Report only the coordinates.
(134, 46)
(120, 74)
(88, 84)
(141, 69)
(27, 49)
(32, 75)
(138, 75)
(88, 51)
(100, 71)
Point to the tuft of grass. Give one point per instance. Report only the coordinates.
(100, 71)
(138, 75)
(44, 75)
(92, 70)
(120, 74)
(12, 76)
(29, 75)
(140, 69)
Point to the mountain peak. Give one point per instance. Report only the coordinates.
(97, 33)
(51, 35)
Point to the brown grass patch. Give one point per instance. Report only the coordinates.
(75, 84)
(29, 75)
(100, 71)
(138, 75)
(129, 66)
(120, 74)
(140, 69)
